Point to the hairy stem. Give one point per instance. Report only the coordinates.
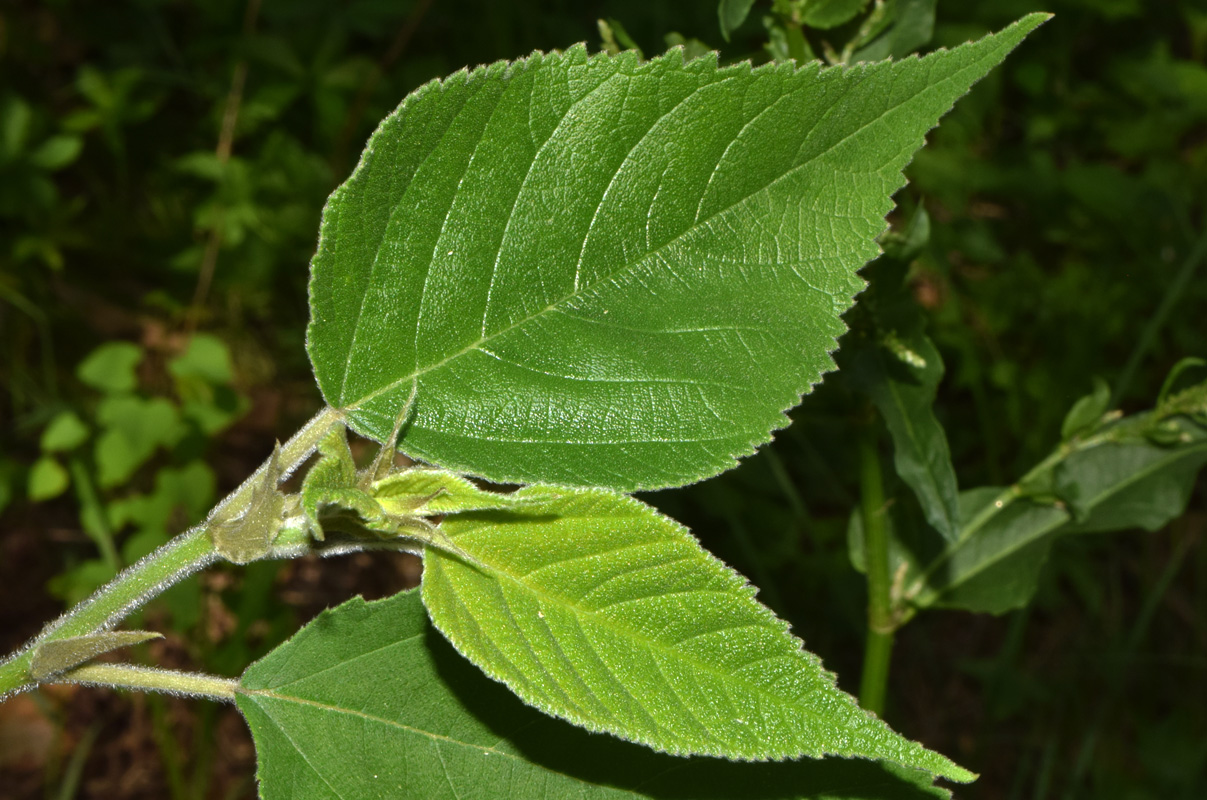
(188, 553)
(128, 676)
(878, 651)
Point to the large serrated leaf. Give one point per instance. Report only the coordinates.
(596, 608)
(602, 271)
(369, 701)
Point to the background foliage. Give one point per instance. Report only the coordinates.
(162, 168)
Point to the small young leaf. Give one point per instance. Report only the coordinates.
(596, 608)
(1175, 375)
(207, 358)
(437, 491)
(245, 534)
(61, 655)
(1087, 412)
(335, 471)
(369, 701)
(132, 428)
(603, 271)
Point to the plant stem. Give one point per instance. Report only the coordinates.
(168, 681)
(878, 651)
(188, 553)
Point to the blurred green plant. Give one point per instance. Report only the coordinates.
(99, 451)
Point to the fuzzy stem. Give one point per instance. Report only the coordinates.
(188, 553)
(128, 676)
(878, 651)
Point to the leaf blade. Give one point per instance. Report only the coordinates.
(368, 700)
(595, 608)
(562, 285)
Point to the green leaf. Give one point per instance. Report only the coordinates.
(824, 14)
(65, 432)
(15, 120)
(334, 473)
(132, 429)
(912, 27)
(1120, 481)
(731, 14)
(206, 358)
(435, 491)
(1087, 412)
(903, 390)
(786, 41)
(57, 152)
(995, 566)
(602, 271)
(596, 608)
(245, 534)
(1132, 484)
(369, 701)
(61, 655)
(47, 479)
(110, 367)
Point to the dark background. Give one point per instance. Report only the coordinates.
(163, 164)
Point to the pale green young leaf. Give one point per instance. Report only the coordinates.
(335, 471)
(424, 491)
(596, 608)
(603, 271)
(207, 358)
(369, 701)
(132, 428)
